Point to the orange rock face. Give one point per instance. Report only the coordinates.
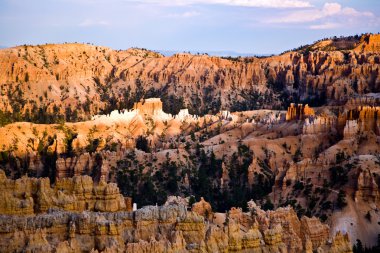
(170, 228)
(88, 78)
(367, 188)
(150, 106)
(299, 112)
(369, 43)
(362, 119)
(203, 208)
(313, 229)
(31, 195)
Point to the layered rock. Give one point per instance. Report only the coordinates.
(27, 196)
(367, 188)
(299, 112)
(298, 235)
(73, 75)
(366, 100)
(318, 125)
(170, 228)
(369, 43)
(74, 166)
(150, 106)
(202, 208)
(86, 164)
(351, 129)
(315, 231)
(341, 243)
(363, 119)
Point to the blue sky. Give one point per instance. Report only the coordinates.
(247, 26)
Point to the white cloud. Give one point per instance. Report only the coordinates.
(187, 14)
(325, 26)
(328, 12)
(91, 22)
(243, 3)
(330, 9)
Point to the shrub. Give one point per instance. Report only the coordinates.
(341, 201)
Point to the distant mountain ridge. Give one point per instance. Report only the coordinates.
(211, 53)
(76, 81)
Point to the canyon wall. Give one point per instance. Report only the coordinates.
(87, 79)
(299, 112)
(77, 216)
(26, 196)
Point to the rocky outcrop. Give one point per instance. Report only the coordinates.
(298, 235)
(341, 243)
(351, 129)
(315, 231)
(367, 188)
(202, 208)
(318, 125)
(26, 196)
(299, 112)
(150, 106)
(170, 228)
(80, 76)
(364, 100)
(369, 43)
(362, 119)
(87, 164)
(73, 166)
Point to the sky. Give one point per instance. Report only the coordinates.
(243, 26)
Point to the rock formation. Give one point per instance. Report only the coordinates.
(202, 208)
(369, 43)
(317, 125)
(315, 231)
(170, 228)
(367, 188)
(146, 108)
(341, 244)
(351, 129)
(299, 112)
(288, 157)
(76, 215)
(362, 119)
(86, 164)
(26, 196)
(75, 76)
(150, 106)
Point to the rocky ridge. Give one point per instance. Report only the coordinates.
(91, 79)
(170, 228)
(27, 196)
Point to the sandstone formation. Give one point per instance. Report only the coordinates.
(86, 164)
(26, 196)
(351, 129)
(287, 152)
(76, 216)
(362, 119)
(202, 208)
(369, 43)
(367, 188)
(90, 79)
(313, 230)
(150, 106)
(371, 99)
(301, 157)
(317, 125)
(170, 228)
(299, 112)
(340, 244)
